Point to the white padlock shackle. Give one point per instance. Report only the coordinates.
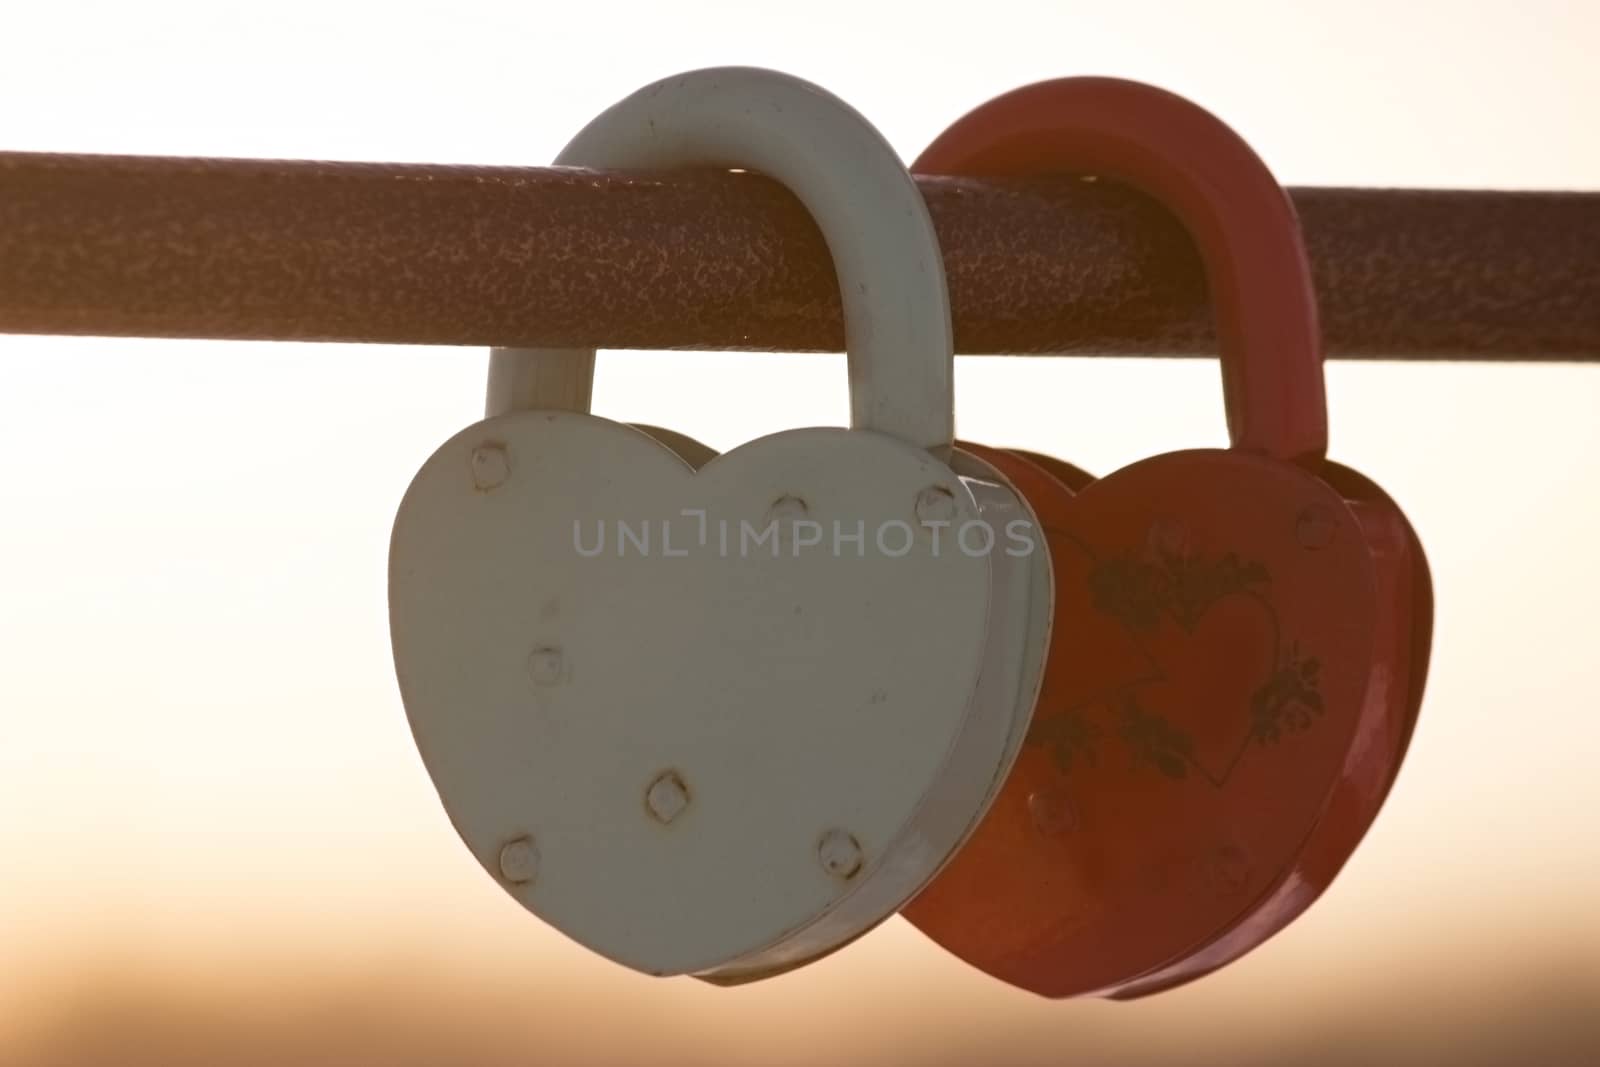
(885, 252)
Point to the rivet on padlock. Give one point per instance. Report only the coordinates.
(760, 746)
(1249, 628)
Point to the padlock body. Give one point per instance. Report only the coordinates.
(1214, 631)
(1402, 641)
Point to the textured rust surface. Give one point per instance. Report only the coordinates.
(136, 246)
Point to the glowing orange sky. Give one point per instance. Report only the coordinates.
(205, 775)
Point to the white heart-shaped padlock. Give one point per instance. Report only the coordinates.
(720, 721)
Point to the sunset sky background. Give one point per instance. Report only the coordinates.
(217, 843)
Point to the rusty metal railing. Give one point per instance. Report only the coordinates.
(158, 247)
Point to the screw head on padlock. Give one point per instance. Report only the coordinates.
(1248, 627)
(723, 713)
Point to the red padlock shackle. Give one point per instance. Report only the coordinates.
(1239, 216)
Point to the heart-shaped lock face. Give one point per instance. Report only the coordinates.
(1401, 639)
(687, 798)
(1189, 735)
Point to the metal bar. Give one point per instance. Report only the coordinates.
(157, 247)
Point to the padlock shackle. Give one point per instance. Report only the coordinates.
(1241, 220)
(885, 252)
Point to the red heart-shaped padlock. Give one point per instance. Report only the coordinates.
(1240, 636)
(1394, 693)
